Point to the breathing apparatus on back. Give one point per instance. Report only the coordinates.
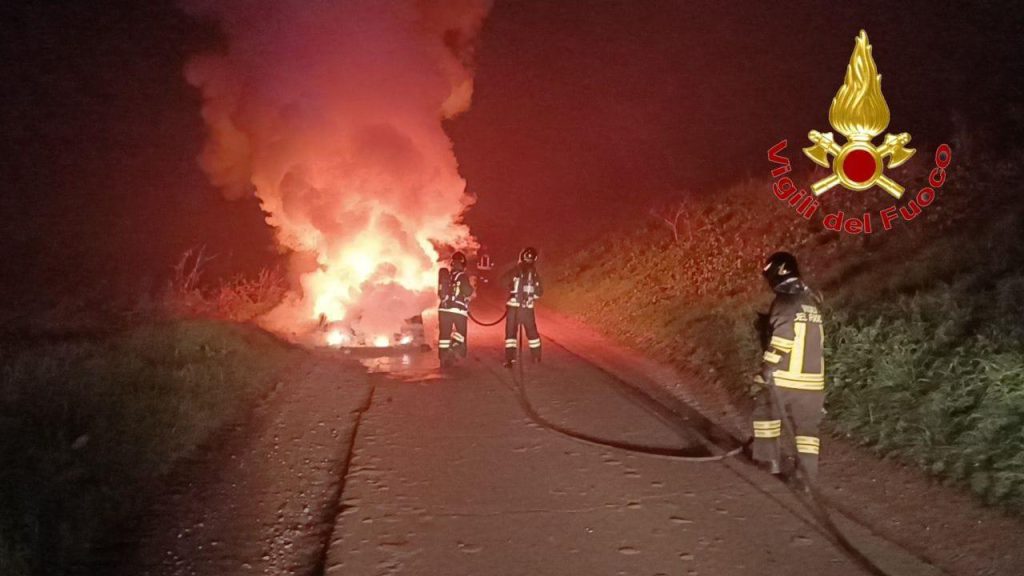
(448, 277)
(526, 284)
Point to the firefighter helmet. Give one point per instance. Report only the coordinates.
(459, 261)
(780, 267)
(528, 255)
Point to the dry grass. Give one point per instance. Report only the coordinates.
(239, 299)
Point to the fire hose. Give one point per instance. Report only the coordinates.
(817, 504)
(670, 453)
(477, 321)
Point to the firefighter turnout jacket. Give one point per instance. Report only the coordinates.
(524, 286)
(794, 357)
(455, 293)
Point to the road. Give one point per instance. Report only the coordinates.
(410, 470)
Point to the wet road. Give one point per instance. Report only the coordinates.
(450, 476)
(394, 467)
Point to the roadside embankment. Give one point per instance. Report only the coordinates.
(924, 336)
(88, 425)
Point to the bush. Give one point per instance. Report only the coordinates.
(238, 299)
(925, 347)
(917, 382)
(85, 426)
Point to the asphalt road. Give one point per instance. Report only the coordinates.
(450, 475)
(391, 466)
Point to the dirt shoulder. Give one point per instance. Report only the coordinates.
(940, 524)
(263, 499)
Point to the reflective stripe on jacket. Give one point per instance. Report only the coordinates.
(795, 354)
(524, 286)
(459, 292)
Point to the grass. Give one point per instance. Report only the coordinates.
(937, 379)
(925, 346)
(85, 426)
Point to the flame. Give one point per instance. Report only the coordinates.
(331, 114)
(335, 338)
(859, 111)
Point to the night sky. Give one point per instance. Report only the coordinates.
(584, 114)
(587, 111)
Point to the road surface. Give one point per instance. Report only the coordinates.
(410, 470)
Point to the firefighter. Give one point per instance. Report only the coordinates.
(524, 286)
(792, 378)
(455, 290)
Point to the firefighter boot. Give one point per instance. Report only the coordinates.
(511, 350)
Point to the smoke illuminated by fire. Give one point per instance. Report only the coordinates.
(331, 113)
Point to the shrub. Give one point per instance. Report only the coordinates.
(917, 382)
(238, 299)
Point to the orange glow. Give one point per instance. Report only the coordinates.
(370, 277)
(344, 149)
(336, 338)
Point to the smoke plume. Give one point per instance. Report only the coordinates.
(330, 112)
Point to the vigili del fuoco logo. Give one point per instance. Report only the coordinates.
(859, 113)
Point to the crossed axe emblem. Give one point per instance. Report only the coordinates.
(858, 164)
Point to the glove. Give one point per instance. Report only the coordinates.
(757, 385)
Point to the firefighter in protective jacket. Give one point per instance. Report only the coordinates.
(793, 369)
(455, 291)
(524, 286)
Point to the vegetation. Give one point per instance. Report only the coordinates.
(238, 299)
(925, 342)
(938, 379)
(86, 426)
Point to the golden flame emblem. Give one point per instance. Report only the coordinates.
(859, 113)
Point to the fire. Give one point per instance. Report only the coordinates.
(336, 338)
(344, 148)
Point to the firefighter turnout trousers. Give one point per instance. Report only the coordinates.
(453, 328)
(776, 407)
(525, 316)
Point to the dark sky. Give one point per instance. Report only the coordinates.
(101, 133)
(585, 113)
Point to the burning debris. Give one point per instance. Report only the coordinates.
(340, 335)
(331, 114)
